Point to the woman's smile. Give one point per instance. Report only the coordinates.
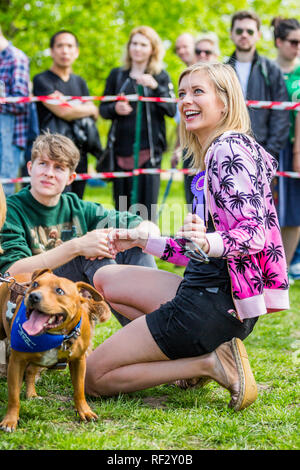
(200, 107)
(191, 114)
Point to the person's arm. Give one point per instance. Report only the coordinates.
(19, 86)
(147, 237)
(73, 110)
(91, 245)
(164, 89)
(238, 202)
(279, 121)
(108, 109)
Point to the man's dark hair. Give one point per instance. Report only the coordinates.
(63, 31)
(283, 27)
(244, 14)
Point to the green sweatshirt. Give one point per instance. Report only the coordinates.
(31, 228)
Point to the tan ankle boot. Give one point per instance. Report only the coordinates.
(234, 373)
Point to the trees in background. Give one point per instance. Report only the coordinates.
(103, 26)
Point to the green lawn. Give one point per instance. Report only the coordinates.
(166, 418)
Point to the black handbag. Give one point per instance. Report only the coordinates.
(86, 136)
(83, 132)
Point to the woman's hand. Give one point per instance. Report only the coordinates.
(147, 80)
(124, 239)
(123, 108)
(194, 228)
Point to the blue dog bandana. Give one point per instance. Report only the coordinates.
(22, 342)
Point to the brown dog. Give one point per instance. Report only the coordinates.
(54, 309)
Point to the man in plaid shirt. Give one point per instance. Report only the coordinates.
(14, 81)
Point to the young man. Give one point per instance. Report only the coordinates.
(14, 81)
(262, 80)
(59, 81)
(46, 228)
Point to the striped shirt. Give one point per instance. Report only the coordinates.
(14, 78)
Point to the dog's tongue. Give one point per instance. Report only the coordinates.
(35, 324)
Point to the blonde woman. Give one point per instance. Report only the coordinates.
(142, 66)
(191, 328)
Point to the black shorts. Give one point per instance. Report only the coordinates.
(196, 322)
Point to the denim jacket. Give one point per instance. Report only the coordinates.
(238, 196)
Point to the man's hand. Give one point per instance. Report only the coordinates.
(94, 244)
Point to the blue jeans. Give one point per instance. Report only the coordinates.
(81, 269)
(10, 155)
(296, 258)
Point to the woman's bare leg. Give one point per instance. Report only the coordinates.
(136, 290)
(130, 360)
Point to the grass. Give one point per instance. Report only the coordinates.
(164, 417)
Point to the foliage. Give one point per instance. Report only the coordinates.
(103, 28)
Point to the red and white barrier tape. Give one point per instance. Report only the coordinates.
(127, 174)
(64, 101)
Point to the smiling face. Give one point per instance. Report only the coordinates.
(48, 179)
(200, 107)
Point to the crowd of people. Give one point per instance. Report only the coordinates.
(185, 330)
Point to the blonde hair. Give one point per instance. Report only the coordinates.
(154, 65)
(212, 38)
(235, 117)
(57, 147)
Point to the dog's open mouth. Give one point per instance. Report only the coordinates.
(39, 322)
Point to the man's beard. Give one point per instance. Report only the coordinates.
(244, 49)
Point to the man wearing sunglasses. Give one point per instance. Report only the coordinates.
(262, 80)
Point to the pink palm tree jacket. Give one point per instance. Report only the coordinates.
(247, 233)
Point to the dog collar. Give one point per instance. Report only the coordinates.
(22, 342)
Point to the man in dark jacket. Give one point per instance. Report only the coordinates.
(262, 80)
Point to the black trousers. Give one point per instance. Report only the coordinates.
(147, 194)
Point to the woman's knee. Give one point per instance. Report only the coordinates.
(103, 278)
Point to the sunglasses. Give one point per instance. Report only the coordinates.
(240, 31)
(191, 250)
(293, 42)
(202, 51)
